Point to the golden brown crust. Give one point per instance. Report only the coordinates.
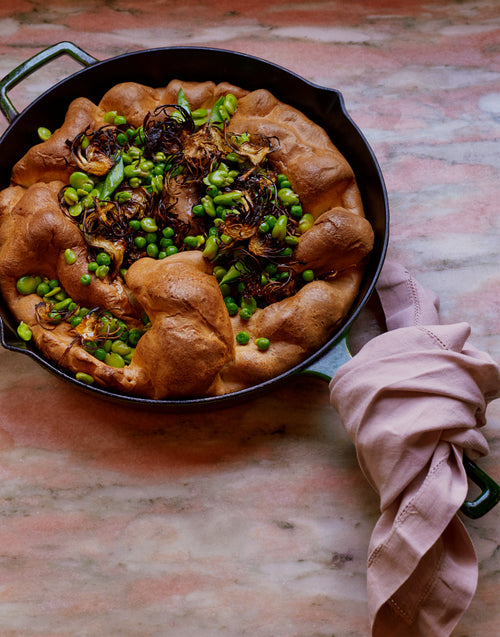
(337, 240)
(319, 174)
(191, 338)
(51, 160)
(190, 348)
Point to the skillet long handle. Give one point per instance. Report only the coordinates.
(27, 68)
(326, 367)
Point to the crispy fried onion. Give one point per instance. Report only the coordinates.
(94, 151)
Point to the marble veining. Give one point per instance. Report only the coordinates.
(254, 520)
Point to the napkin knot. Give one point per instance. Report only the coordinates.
(412, 400)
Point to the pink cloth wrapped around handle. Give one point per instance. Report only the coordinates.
(412, 400)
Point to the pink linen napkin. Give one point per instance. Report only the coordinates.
(412, 400)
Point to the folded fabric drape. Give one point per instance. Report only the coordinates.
(412, 400)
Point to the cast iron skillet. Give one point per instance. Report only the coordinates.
(156, 67)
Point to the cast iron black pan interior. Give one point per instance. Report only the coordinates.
(156, 67)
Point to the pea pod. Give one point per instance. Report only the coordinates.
(182, 100)
(113, 179)
(234, 273)
(215, 114)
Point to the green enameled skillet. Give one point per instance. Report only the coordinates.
(156, 67)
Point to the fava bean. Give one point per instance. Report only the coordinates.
(24, 332)
(28, 284)
(44, 133)
(84, 378)
(69, 256)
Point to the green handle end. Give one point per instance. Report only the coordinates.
(30, 66)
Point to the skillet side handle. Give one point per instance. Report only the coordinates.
(27, 68)
(490, 491)
(326, 366)
(325, 369)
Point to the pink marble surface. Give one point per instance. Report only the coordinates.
(254, 520)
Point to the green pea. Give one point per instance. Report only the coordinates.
(162, 254)
(212, 191)
(103, 258)
(308, 275)
(164, 243)
(270, 220)
(135, 224)
(92, 266)
(43, 288)
(242, 338)
(168, 232)
(140, 242)
(122, 139)
(107, 346)
(24, 332)
(262, 343)
(281, 177)
(285, 184)
(151, 237)
(28, 284)
(100, 354)
(152, 250)
(287, 252)
(245, 314)
(291, 240)
(69, 256)
(102, 271)
(119, 120)
(296, 211)
(134, 182)
(84, 378)
(44, 133)
(264, 227)
(171, 250)
(85, 279)
(232, 309)
(114, 359)
(198, 210)
(70, 196)
(75, 321)
(133, 336)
